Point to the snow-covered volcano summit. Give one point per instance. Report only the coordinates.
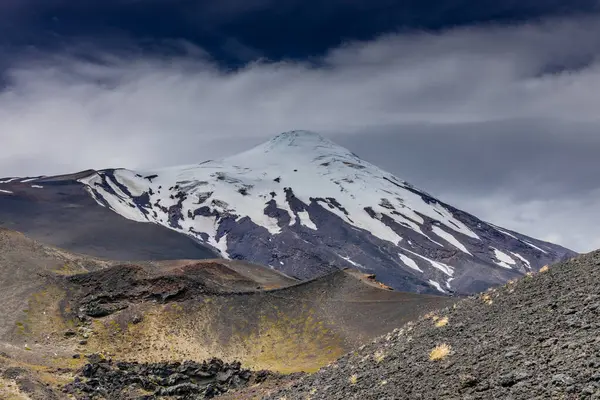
(304, 205)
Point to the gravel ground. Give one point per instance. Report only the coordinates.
(536, 338)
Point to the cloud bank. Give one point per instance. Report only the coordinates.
(500, 120)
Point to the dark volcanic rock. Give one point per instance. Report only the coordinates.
(106, 379)
(536, 338)
(107, 291)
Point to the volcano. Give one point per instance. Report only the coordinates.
(305, 206)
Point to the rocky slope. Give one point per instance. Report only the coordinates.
(537, 338)
(303, 205)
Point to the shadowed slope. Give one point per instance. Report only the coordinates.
(59, 212)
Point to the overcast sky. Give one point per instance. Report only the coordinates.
(500, 119)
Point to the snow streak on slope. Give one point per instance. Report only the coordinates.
(523, 259)
(305, 220)
(409, 262)
(446, 269)
(118, 201)
(450, 239)
(503, 259)
(348, 259)
(437, 286)
(520, 240)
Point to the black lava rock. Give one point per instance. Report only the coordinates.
(106, 379)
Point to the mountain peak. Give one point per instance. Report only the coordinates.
(298, 136)
(298, 143)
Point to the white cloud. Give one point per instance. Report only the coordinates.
(572, 222)
(61, 114)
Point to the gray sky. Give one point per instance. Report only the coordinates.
(502, 122)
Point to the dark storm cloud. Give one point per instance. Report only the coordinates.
(288, 29)
(499, 120)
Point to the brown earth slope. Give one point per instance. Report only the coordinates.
(58, 307)
(24, 266)
(181, 315)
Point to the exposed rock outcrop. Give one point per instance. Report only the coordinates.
(106, 379)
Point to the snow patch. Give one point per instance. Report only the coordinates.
(520, 240)
(120, 206)
(520, 257)
(350, 261)
(446, 269)
(503, 259)
(6, 191)
(450, 239)
(306, 221)
(506, 233)
(535, 247)
(221, 245)
(129, 180)
(409, 262)
(437, 286)
(37, 186)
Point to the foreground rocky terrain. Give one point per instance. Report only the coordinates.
(92, 329)
(535, 338)
(59, 309)
(298, 203)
